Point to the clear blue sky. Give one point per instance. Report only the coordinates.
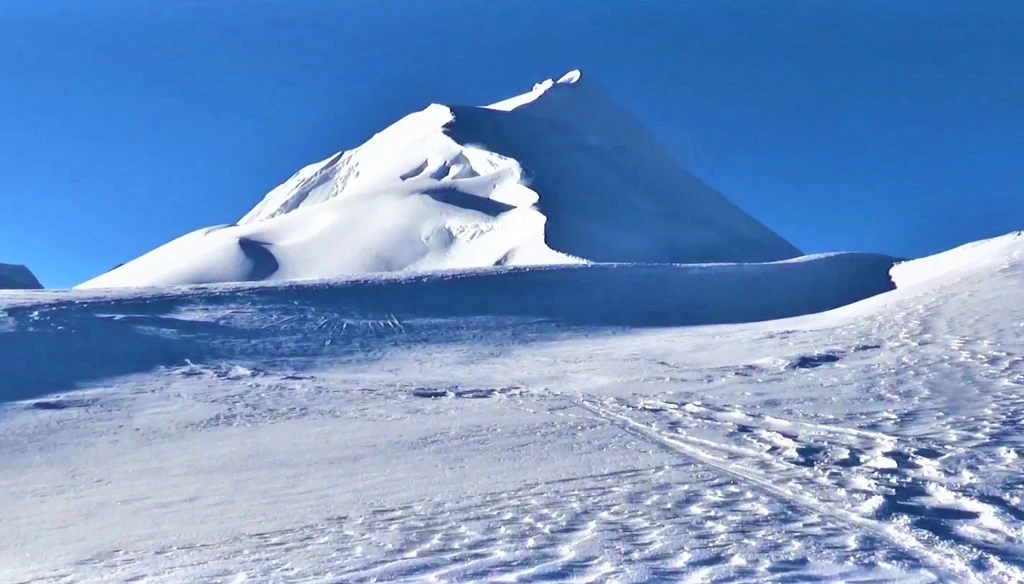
(844, 125)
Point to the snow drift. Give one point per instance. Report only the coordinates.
(101, 333)
(96, 334)
(548, 177)
(987, 255)
(16, 277)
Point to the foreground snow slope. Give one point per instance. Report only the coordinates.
(548, 177)
(380, 430)
(102, 334)
(16, 277)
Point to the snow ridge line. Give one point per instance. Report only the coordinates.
(946, 568)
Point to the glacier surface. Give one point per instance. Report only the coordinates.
(509, 425)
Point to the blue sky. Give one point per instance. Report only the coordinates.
(844, 125)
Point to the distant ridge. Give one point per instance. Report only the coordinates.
(17, 277)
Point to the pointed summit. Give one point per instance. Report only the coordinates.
(610, 191)
(560, 174)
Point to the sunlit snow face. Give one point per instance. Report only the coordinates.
(448, 187)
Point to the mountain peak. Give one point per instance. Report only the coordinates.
(560, 174)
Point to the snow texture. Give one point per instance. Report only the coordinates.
(524, 425)
(16, 277)
(558, 175)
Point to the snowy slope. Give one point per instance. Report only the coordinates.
(91, 343)
(554, 175)
(16, 277)
(431, 428)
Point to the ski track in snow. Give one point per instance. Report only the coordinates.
(724, 458)
(877, 442)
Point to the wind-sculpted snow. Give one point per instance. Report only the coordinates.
(100, 335)
(559, 175)
(514, 425)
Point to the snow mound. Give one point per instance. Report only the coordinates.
(551, 176)
(17, 277)
(999, 253)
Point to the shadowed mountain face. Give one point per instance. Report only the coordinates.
(15, 277)
(609, 190)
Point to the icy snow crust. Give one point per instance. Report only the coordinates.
(507, 425)
(554, 175)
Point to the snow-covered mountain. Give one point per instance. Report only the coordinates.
(557, 175)
(691, 404)
(17, 277)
